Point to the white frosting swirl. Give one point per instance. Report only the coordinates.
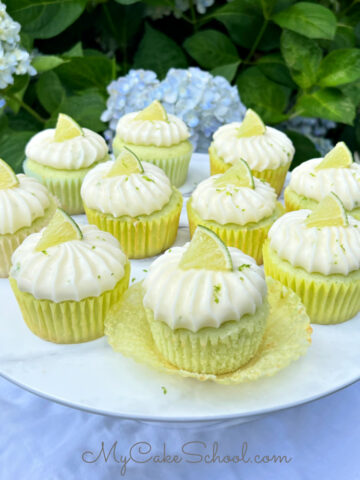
(133, 195)
(317, 184)
(270, 150)
(78, 152)
(198, 298)
(155, 132)
(21, 205)
(325, 250)
(232, 204)
(71, 270)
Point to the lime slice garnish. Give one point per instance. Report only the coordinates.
(126, 164)
(330, 212)
(251, 125)
(239, 175)
(66, 128)
(8, 178)
(155, 111)
(339, 157)
(206, 251)
(61, 228)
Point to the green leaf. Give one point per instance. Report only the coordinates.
(304, 148)
(303, 57)
(127, 2)
(12, 147)
(211, 49)
(308, 19)
(329, 103)
(16, 91)
(352, 90)
(75, 51)
(267, 98)
(43, 63)
(158, 52)
(50, 91)
(43, 18)
(344, 38)
(339, 67)
(274, 67)
(226, 71)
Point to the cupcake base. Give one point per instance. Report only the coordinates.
(328, 299)
(69, 321)
(275, 176)
(173, 160)
(145, 235)
(249, 238)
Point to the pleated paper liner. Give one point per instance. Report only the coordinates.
(9, 242)
(248, 238)
(274, 176)
(69, 321)
(143, 236)
(287, 336)
(328, 299)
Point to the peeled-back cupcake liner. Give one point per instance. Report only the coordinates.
(174, 160)
(143, 236)
(248, 238)
(287, 336)
(328, 299)
(274, 176)
(69, 321)
(10, 241)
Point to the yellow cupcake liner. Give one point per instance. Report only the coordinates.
(248, 238)
(328, 299)
(287, 336)
(143, 236)
(10, 241)
(69, 321)
(174, 160)
(274, 176)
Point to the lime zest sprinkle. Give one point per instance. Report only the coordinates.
(243, 266)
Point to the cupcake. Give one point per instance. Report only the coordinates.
(26, 206)
(135, 202)
(61, 157)
(317, 254)
(268, 151)
(156, 137)
(313, 180)
(65, 279)
(206, 305)
(238, 207)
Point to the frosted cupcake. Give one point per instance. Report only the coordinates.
(312, 180)
(26, 206)
(238, 207)
(61, 157)
(213, 315)
(156, 137)
(268, 151)
(317, 255)
(66, 278)
(135, 202)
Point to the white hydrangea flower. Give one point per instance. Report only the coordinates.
(180, 6)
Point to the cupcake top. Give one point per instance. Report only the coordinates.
(138, 193)
(261, 146)
(152, 126)
(56, 148)
(71, 270)
(202, 297)
(21, 204)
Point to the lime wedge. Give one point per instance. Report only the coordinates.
(155, 111)
(330, 212)
(61, 228)
(239, 175)
(126, 164)
(339, 157)
(251, 125)
(8, 178)
(66, 128)
(207, 251)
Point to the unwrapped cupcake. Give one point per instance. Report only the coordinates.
(26, 206)
(156, 137)
(61, 157)
(268, 151)
(66, 278)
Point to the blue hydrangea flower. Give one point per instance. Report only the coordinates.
(180, 6)
(316, 127)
